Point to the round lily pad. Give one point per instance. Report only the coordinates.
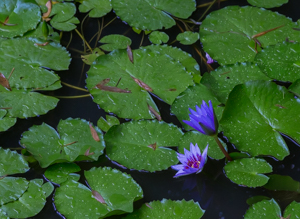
(263, 209)
(115, 41)
(75, 138)
(281, 61)
(225, 78)
(95, 8)
(11, 188)
(292, 210)
(158, 37)
(248, 171)
(143, 145)
(229, 34)
(168, 209)
(187, 37)
(61, 172)
(267, 3)
(6, 122)
(151, 14)
(18, 17)
(256, 113)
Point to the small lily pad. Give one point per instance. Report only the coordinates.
(254, 199)
(61, 172)
(168, 209)
(95, 8)
(248, 171)
(110, 121)
(187, 37)
(157, 37)
(293, 210)
(115, 41)
(11, 188)
(143, 145)
(90, 58)
(267, 3)
(263, 209)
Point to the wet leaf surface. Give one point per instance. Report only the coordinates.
(292, 210)
(267, 3)
(115, 41)
(263, 209)
(61, 172)
(95, 8)
(157, 37)
(187, 37)
(106, 124)
(11, 188)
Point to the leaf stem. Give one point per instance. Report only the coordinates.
(73, 97)
(79, 34)
(75, 87)
(222, 148)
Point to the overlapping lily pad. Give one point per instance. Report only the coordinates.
(255, 115)
(229, 34)
(11, 188)
(263, 209)
(143, 145)
(248, 171)
(74, 139)
(151, 14)
(168, 209)
(158, 37)
(187, 37)
(106, 124)
(115, 41)
(267, 3)
(95, 8)
(61, 172)
(5, 122)
(295, 88)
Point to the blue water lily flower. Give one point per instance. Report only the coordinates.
(191, 161)
(204, 119)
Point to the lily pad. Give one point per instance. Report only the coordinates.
(6, 122)
(61, 172)
(295, 88)
(225, 78)
(143, 145)
(3, 215)
(115, 41)
(256, 113)
(22, 16)
(293, 210)
(95, 8)
(229, 34)
(263, 209)
(248, 171)
(11, 188)
(267, 3)
(157, 37)
(191, 97)
(90, 58)
(75, 139)
(110, 121)
(121, 87)
(9, 157)
(168, 209)
(202, 140)
(187, 37)
(281, 61)
(282, 183)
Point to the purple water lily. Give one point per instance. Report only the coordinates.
(209, 59)
(191, 161)
(204, 119)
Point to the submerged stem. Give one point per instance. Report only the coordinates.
(79, 34)
(73, 97)
(75, 87)
(222, 148)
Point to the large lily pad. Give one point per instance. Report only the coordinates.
(152, 14)
(225, 78)
(11, 188)
(263, 209)
(22, 15)
(168, 209)
(281, 61)
(248, 171)
(5, 122)
(75, 139)
(229, 34)
(255, 115)
(95, 8)
(143, 145)
(122, 86)
(267, 3)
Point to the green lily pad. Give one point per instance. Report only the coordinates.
(295, 88)
(115, 41)
(23, 16)
(191, 97)
(95, 8)
(125, 85)
(267, 3)
(6, 122)
(3, 215)
(263, 209)
(90, 58)
(74, 139)
(63, 16)
(143, 145)
(110, 121)
(202, 140)
(225, 78)
(248, 171)
(254, 115)
(187, 37)
(118, 189)
(254, 199)
(11, 188)
(7, 158)
(282, 183)
(61, 172)
(281, 61)
(228, 34)
(168, 209)
(293, 210)
(157, 37)
(152, 14)
(47, 188)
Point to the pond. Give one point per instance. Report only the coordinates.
(252, 82)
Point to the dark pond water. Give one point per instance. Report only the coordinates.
(216, 194)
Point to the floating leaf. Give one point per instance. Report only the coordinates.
(232, 34)
(75, 138)
(157, 37)
(39, 32)
(225, 78)
(152, 15)
(267, 3)
(293, 210)
(187, 37)
(125, 140)
(254, 115)
(295, 88)
(95, 8)
(281, 61)
(11, 188)
(168, 209)
(115, 41)
(90, 58)
(9, 157)
(6, 122)
(47, 188)
(254, 199)
(3, 215)
(61, 172)
(282, 183)
(263, 209)
(248, 171)
(19, 17)
(110, 121)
